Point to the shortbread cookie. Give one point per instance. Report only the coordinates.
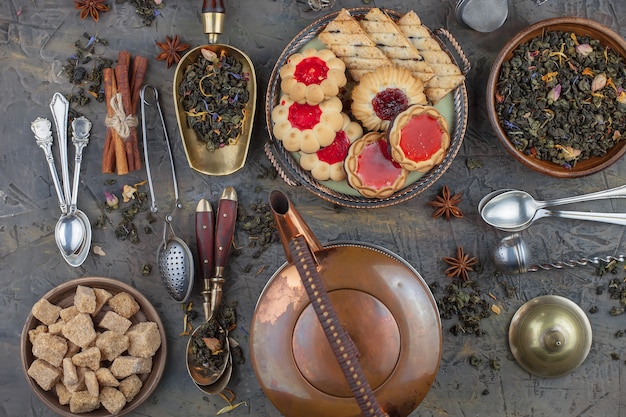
(327, 163)
(347, 39)
(447, 75)
(384, 93)
(306, 128)
(386, 34)
(419, 138)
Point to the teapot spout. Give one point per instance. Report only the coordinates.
(290, 224)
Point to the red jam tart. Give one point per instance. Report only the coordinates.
(419, 138)
(383, 93)
(327, 163)
(306, 128)
(370, 169)
(312, 76)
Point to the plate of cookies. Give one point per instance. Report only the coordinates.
(366, 107)
(93, 346)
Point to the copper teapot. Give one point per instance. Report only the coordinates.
(382, 303)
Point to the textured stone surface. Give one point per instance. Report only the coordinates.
(36, 37)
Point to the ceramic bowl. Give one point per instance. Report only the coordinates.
(63, 295)
(581, 27)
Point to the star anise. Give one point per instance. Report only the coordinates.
(91, 8)
(461, 265)
(170, 50)
(446, 204)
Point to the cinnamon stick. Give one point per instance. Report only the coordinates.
(138, 72)
(115, 153)
(123, 87)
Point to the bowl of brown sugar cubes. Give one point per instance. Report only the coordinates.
(93, 346)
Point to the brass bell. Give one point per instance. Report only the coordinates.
(550, 336)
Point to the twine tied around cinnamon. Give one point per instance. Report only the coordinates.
(120, 121)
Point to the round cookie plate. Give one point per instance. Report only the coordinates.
(453, 107)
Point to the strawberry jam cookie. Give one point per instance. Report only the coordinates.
(419, 138)
(383, 93)
(312, 76)
(305, 127)
(327, 163)
(370, 169)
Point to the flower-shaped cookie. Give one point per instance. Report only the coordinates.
(327, 163)
(419, 138)
(312, 76)
(370, 169)
(306, 128)
(383, 93)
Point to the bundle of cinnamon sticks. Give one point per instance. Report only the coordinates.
(121, 89)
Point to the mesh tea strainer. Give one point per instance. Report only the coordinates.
(174, 258)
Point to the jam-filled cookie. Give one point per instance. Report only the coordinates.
(327, 163)
(383, 93)
(312, 76)
(370, 168)
(419, 138)
(306, 128)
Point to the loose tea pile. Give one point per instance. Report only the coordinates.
(214, 95)
(561, 98)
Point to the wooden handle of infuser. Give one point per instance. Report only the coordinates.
(342, 345)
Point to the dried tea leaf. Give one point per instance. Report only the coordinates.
(229, 408)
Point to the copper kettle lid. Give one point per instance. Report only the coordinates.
(388, 312)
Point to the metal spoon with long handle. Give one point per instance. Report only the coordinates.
(224, 230)
(73, 228)
(611, 218)
(41, 128)
(516, 209)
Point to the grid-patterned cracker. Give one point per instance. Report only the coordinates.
(388, 37)
(447, 74)
(347, 39)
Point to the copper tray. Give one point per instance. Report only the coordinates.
(63, 295)
(454, 107)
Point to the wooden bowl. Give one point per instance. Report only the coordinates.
(582, 27)
(63, 295)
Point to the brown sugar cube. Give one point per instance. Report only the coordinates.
(124, 304)
(112, 399)
(80, 385)
(102, 297)
(70, 375)
(46, 312)
(145, 339)
(68, 313)
(130, 387)
(124, 366)
(44, 374)
(57, 327)
(50, 348)
(72, 349)
(33, 333)
(112, 344)
(91, 382)
(80, 330)
(85, 299)
(106, 378)
(88, 358)
(83, 402)
(114, 321)
(63, 394)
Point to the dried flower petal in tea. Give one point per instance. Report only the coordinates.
(214, 94)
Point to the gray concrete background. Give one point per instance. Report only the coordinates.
(36, 36)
